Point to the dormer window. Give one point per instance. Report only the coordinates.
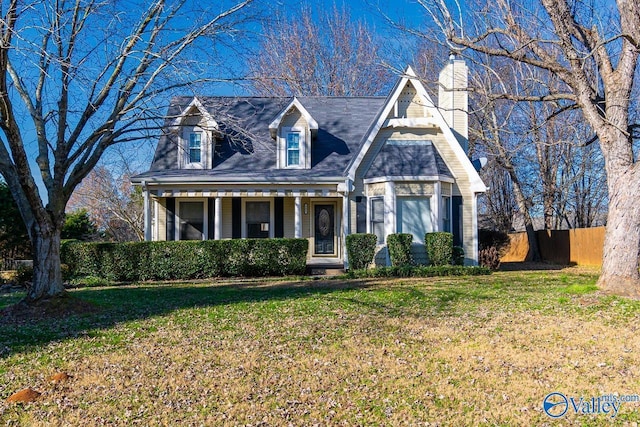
(195, 130)
(293, 130)
(293, 149)
(195, 147)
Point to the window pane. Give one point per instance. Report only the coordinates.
(377, 219)
(195, 140)
(293, 157)
(446, 214)
(414, 217)
(258, 218)
(194, 155)
(293, 140)
(378, 230)
(377, 209)
(191, 220)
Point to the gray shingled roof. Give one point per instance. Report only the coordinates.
(248, 151)
(408, 158)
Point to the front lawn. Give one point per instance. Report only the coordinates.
(449, 351)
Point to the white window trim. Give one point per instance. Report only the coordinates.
(299, 149)
(370, 229)
(205, 148)
(191, 136)
(205, 213)
(282, 149)
(244, 214)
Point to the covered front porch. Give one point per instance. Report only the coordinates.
(317, 214)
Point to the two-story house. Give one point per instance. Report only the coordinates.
(318, 168)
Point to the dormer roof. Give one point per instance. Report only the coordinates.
(295, 103)
(196, 105)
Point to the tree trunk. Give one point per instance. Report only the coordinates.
(47, 274)
(622, 237)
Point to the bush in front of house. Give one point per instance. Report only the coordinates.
(399, 246)
(183, 260)
(439, 246)
(493, 238)
(361, 248)
(419, 271)
(458, 255)
(264, 257)
(489, 258)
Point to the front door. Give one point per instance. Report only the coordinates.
(325, 233)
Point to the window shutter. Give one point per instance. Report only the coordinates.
(171, 218)
(211, 219)
(278, 213)
(236, 218)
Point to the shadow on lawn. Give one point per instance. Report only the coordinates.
(115, 305)
(414, 302)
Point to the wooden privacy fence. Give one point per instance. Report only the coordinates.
(582, 246)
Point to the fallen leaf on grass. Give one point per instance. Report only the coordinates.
(59, 377)
(24, 396)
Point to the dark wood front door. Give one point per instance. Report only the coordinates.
(325, 233)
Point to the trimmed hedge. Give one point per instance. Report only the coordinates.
(132, 261)
(439, 246)
(420, 271)
(361, 248)
(399, 246)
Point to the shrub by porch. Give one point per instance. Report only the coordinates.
(184, 260)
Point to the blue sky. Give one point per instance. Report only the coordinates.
(369, 11)
(373, 12)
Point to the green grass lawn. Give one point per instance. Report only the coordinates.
(444, 351)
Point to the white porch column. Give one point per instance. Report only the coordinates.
(217, 219)
(298, 217)
(346, 229)
(436, 214)
(147, 212)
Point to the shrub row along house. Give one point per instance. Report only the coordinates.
(319, 168)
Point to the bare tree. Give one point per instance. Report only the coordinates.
(84, 75)
(494, 131)
(593, 49)
(115, 205)
(500, 207)
(331, 55)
